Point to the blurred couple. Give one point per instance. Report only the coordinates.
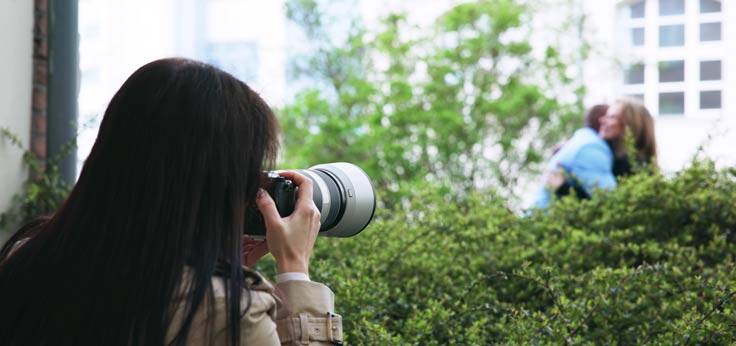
(614, 140)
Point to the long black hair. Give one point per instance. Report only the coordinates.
(177, 162)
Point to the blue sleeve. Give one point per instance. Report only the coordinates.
(593, 167)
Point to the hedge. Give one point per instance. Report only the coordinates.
(650, 263)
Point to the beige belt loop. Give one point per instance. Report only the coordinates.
(329, 327)
(303, 320)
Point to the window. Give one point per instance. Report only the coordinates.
(672, 35)
(710, 6)
(672, 103)
(637, 9)
(710, 32)
(671, 7)
(637, 36)
(634, 74)
(638, 97)
(710, 70)
(672, 71)
(710, 99)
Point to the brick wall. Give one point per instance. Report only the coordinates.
(40, 79)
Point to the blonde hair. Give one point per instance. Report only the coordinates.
(640, 124)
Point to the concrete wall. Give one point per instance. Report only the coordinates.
(16, 60)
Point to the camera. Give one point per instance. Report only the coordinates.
(342, 192)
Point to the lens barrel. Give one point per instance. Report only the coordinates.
(342, 192)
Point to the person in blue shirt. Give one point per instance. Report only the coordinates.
(595, 159)
(585, 159)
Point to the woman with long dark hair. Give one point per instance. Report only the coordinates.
(147, 249)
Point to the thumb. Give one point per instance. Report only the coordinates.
(268, 208)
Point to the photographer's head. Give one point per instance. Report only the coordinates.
(179, 155)
(183, 130)
(177, 161)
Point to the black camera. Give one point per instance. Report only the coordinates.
(342, 192)
(283, 192)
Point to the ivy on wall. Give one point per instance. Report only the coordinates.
(42, 192)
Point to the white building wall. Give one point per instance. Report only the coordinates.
(679, 137)
(16, 74)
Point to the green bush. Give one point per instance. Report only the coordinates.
(651, 263)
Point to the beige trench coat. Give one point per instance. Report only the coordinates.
(291, 313)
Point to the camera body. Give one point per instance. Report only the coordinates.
(342, 192)
(283, 193)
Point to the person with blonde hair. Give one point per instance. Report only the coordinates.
(627, 117)
(584, 164)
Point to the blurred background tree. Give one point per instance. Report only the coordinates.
(462, 103)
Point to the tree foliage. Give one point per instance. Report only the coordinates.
(454, 113)
(462, 103)
(651, 263)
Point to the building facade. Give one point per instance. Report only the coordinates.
(674, 56)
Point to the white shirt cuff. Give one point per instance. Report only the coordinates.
(283, 277)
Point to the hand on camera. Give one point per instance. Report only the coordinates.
(291, 239)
